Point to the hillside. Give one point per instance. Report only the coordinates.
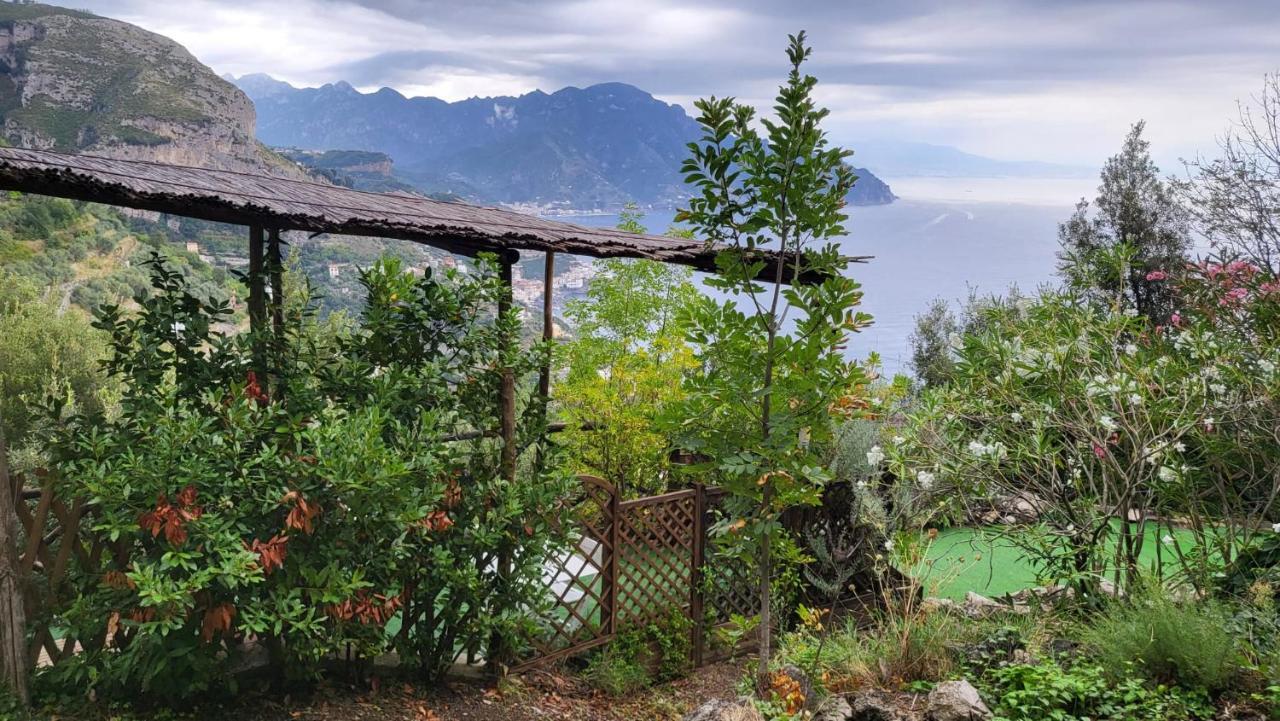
(71, 81)
(593, 147)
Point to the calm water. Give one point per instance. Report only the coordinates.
(942, 238)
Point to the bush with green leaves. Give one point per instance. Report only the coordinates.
(1086, 692)
(299, 490)
(1113, 425)
(1187, 643)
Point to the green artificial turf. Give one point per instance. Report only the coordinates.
(974, 559)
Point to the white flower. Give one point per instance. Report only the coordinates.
(1131, 312)
(925, 479)
(861, 484)
(1131, 349)
(1208, 424)
(1108, 423)
(888, 545)
(898, 440)
(1267, 366)
(1167, 474)
(1275, 527)
(1217, 388)
(1135, 399)
(1016, 417)
(1167, 540)
(1180, 447)
(977, 448)
(875, 456)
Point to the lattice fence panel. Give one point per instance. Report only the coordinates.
(656, 557)
(580, 581)
(57, 542)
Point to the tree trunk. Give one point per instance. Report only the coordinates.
(13, 619)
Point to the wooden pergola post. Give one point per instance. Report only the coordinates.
(499, 654)
(13, 616)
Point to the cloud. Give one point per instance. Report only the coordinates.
(1012, 78)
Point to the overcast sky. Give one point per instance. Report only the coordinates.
(1056, 80)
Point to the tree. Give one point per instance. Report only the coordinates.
(931, 340)
(624, 368)
(44, 352)
(1234, 200)
(762, 394)
(1134, 208)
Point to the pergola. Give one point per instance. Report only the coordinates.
(269, 205)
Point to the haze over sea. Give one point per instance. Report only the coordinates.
(941, 238)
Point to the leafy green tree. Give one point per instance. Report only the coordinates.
(765, 390)
(44, 352)
(1137, 209)
(625, 367)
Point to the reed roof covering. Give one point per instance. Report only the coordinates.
(287, 204)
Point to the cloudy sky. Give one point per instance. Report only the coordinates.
(1056, 80)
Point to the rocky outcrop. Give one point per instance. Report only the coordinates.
(74, 82)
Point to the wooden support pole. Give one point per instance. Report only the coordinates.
(499, 654)
(13, 616)
(507, 396)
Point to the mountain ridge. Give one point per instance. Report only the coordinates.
(599, 146)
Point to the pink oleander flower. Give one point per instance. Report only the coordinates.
(1269, 287)
(1176, 320)
(1157, 275)
(1234, 296)
(1099, 451)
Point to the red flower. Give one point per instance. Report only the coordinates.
(1099, 451)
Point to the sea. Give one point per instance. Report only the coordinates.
(943, 238)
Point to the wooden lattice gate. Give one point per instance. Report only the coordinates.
(633, 563)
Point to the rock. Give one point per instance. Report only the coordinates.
(721, 710)
(932, 604)
(956, 701)
(1022, 657)
(874, 706)
(834, 708)
(977, 606)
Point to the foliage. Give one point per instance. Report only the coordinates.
(297, 489)
(640, 657)
(1190, 644)
(1136, 209)
(44, 352)
(939, 329)
(763, 394)
(1108, 422)
(624, 369)
(1085, 692)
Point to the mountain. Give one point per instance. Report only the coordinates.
(898, 159)
(75, 82)
(593, 147)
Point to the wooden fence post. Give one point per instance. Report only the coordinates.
(13, 618)
(257, 299)
(696, 600)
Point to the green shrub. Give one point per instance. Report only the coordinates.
(1186, 643)
(1085, 692)
(617, 670)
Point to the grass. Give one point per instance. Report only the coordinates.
(978, 560)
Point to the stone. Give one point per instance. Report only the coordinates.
(933, 604)
(722, 710)
(834, 708)
(874, 706)
(956, 701)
